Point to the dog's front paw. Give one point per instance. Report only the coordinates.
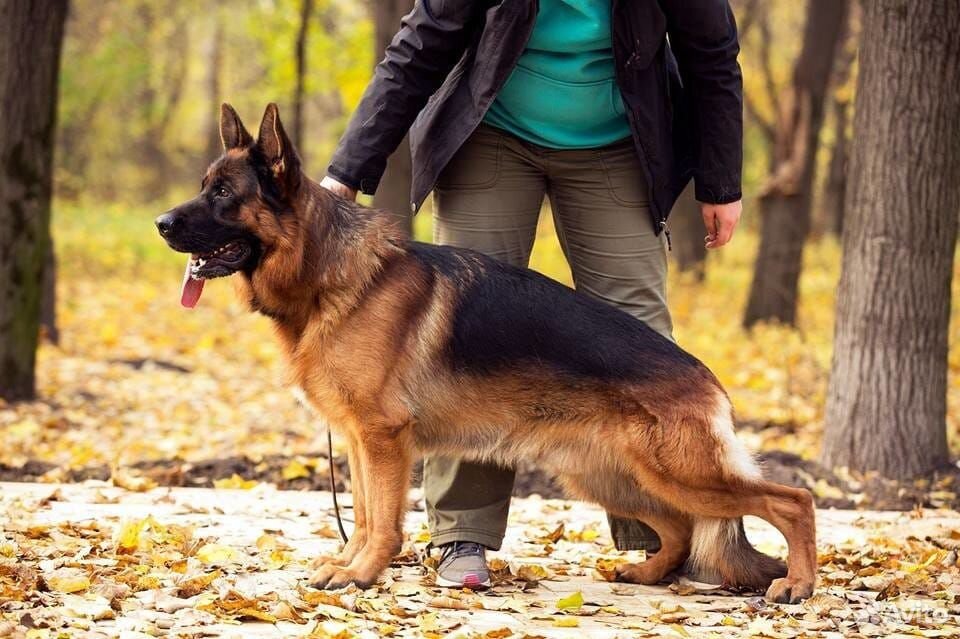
(333, 577)
(789, 590)
(323, 560)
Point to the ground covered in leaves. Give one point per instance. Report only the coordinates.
(92, 561)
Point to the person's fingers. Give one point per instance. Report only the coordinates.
(720, 220)
(710, 223)
(339, 188)
(724, 231)
(725, 226)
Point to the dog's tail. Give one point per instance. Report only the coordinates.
(720, 553)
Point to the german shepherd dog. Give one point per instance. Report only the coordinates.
(411, 349)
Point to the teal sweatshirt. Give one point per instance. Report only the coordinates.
(563, 92)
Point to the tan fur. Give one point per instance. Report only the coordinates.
(363, 325)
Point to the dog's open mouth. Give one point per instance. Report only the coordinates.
(223, 261)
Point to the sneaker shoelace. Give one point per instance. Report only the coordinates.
(459, 549)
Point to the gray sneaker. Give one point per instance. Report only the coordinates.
(463, 564)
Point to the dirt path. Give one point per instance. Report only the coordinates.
(93, 560)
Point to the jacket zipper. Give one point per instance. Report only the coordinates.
(666, 232)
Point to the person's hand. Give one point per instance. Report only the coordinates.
(720, 220)
(339, 188)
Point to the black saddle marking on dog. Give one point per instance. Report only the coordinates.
(506, 316)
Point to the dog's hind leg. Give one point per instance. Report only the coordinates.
(717, 499)
(620, 495)
(359, 537)
(385, 458)
(674, 531)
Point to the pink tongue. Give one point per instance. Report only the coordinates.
(191, 288)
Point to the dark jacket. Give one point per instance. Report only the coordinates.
(450, 58)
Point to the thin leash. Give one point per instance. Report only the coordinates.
(333, 486)
(336, 505)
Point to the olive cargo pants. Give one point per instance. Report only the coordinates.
(488, 199)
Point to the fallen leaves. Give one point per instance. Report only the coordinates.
(193, 586)
(178, 568)
(216, 554)
(67, 580)
(573, 601)
(237, 482)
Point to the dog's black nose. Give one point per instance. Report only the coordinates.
(167, 223)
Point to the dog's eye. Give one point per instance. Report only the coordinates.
(222, 192)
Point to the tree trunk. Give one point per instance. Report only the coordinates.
(48, 305)
(687, 233)
(835, 188)
(835, 185)
(31, 35)
(306, 11)
(786, 197)
(393, 193)
(886, 405)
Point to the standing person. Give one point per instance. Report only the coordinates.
(586, 102)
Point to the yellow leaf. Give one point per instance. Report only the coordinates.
(127, 537)
(216, 553)
(326, 531)
(235, 481)
(68, 580)
(195, 585)
(128, 481)
(571, 602)
(566, 622)
(255, 613)
(532, 573)
(149, 582)
(276, 559)
(295, 470)
(552, 537)
(449, 603)
(429, 622)
(266, 541)
(284, 611)
(608, 568)
(422, 537)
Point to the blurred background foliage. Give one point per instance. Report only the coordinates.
(142, 81)
(141, 84)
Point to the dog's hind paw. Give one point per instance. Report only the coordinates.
(332, 577)
(787, 590)
(645, 573)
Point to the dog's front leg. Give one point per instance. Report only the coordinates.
(359, 537)
(385, 457)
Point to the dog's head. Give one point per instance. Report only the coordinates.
(237, 217)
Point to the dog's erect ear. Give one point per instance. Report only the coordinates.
(276, 146)
(232, 132)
